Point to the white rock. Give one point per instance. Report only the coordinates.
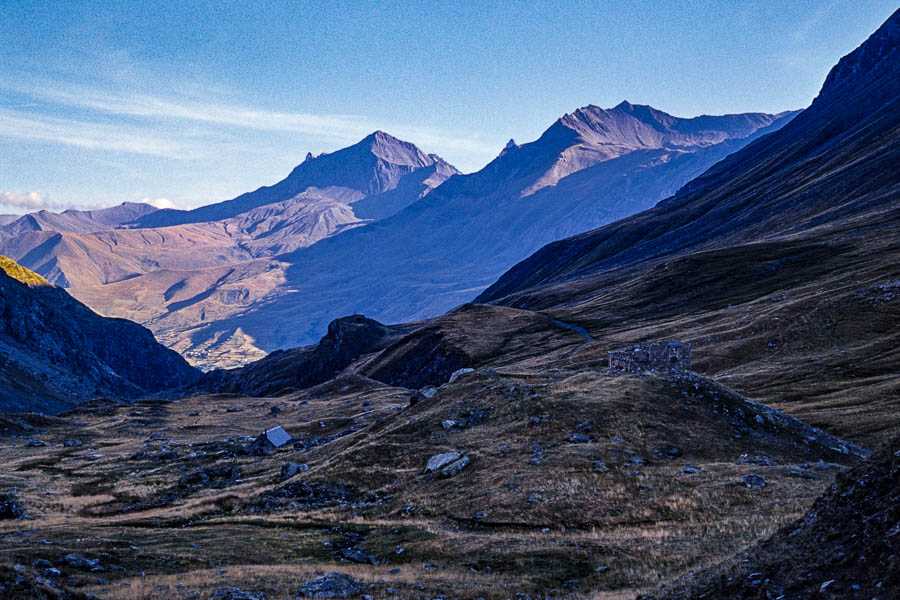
(441, 460)
(459, 373)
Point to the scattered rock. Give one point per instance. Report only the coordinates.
(473, 417)
(10, 507)
(691, 469)
(309, 494)
(331, 585)
(668, 451)
(213, 477)
(579, 438)
(759, 460)
(448, 424)
(289, 469)
(754, 481)
(438, 461)
(358, 556)
(33, 443)
(238, 594)
(78, 561)
(455, 467)
(72, 443)
(428, 392)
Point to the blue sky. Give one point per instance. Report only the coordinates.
(192, 102)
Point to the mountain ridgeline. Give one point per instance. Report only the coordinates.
(377, 165)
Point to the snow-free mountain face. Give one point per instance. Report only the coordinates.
(807, 176)
(592, 134)
(377, 164)
(324, 195)
(589, 168)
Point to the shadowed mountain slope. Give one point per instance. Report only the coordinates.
(55, 352)
(834, 162)
(347, 340)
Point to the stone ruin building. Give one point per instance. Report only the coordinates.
(663, 357)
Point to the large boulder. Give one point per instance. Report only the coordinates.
(331, 585)
(439, 461)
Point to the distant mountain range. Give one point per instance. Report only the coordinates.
(778, 264)
(321, 197)
(379, 227)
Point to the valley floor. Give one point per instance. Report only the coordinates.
(578, 484)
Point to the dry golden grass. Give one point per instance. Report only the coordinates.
(502, 526)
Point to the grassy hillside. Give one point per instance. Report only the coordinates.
(20, 273)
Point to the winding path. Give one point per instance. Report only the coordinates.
(577, 329)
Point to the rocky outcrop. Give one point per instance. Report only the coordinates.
(348, 339)
(424, 358)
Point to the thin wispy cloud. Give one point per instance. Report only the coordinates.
(23, 125)
(330, 127)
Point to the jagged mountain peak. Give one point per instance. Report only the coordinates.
(595, 119)
(591, 135)
(378, 145)
(377, 164)
(372, 165)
